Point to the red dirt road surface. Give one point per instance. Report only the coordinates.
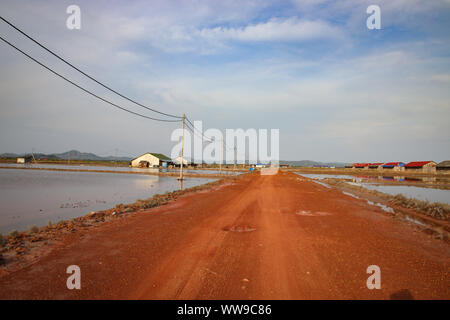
(261, 237)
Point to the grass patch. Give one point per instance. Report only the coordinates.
(436, 210)
(14, 234)
(33, 229)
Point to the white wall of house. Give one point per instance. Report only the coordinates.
(430, 167)
(152, 160)
(178, 161)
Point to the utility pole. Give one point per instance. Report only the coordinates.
(234, 167)
(221, 156)
(32, 154)
(182, 145)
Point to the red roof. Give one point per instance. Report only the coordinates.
(360, 165)
(392, 163)
(376, 164)
(416, 164)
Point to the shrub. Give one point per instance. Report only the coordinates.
(33, 229)
(14, 234)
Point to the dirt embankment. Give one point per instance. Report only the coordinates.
(260, 237)
(434, 216)
(368, 172)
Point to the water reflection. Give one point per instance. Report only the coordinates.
(112, 168)
(29, 197)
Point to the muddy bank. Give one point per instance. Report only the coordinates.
(433, 217)
(22, 248)
(167, 174)
(362, 172)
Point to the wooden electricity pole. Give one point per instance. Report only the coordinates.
(182, 146)
(234, 167)
(221, 156)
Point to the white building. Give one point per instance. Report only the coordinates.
(150, 160)
(177, 161)
(25, 159)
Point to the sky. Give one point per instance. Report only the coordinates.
(336, 90)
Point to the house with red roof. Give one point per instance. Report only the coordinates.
(375, 165)
(360, 166)
(394, 166)
(423, 166)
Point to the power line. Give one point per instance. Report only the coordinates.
(84, 73)
(81, 88)
(200, 132)
(207, 138)
(193, 129)
(195, 133)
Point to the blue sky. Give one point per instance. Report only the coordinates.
(336, 90)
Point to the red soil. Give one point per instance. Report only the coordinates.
(264, 237)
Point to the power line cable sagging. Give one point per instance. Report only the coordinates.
(189, 124)
(82, 88)
(84, 73)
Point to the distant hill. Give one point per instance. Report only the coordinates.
(310, 163)
(72, 155)
(77, 155)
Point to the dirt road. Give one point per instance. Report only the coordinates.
(263, 237)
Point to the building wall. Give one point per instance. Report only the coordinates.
(24, 160)
(429, 168)
(152, 160)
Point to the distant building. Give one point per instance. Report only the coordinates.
(360, 166)
(376, 165)
(150, 160)
(25, 159)
(395, 166)
(423, 166)
(443, 166)
(186, 162)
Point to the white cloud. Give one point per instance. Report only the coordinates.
(276, 29)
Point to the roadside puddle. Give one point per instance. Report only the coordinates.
(239, 228)
(312, 213)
